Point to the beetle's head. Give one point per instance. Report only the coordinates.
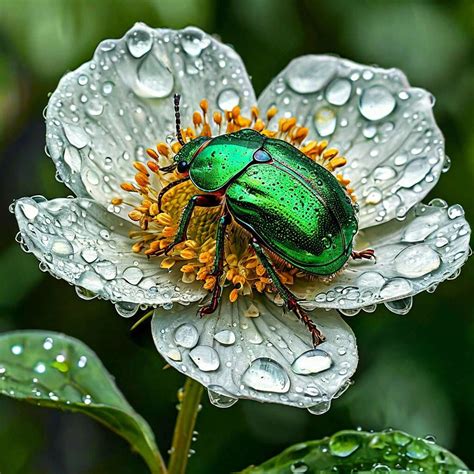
(185, 156)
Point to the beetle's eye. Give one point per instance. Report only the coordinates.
(183, 166)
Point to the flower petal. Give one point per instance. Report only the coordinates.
(79, 241)
(106, 113)
(413, 255)
(385, 128)
(251, 349)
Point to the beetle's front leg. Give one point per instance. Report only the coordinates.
(288, 297)
(199, 200)
(217, 271)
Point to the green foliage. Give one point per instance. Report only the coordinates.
(53, 370)
(359, 451)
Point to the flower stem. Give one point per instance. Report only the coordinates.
(184, 428)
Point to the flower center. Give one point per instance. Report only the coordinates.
(195, 256)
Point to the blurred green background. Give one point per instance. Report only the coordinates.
(416, 371)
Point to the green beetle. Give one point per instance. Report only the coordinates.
(292, 207)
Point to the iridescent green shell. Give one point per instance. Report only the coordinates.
(290, 204)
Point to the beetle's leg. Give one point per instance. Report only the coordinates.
(217, 271)
(168, 187)
(363, 254)
(224, 221)
(199, 200)
(288, 297)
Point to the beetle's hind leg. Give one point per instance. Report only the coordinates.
(365, 254)
(218, 269)
(288, 297)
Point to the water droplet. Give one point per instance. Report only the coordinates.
(376, 103)
(82, 80)
(175, 355)
(76, 135)
(401, 306)
(339, 91)
(133, 275)
(225, 337)
(312, 362)
(126, 309)
(228, 99)
(107, 45)
(40, 368)
(218, 398)
(194, 42)
(252, 312)
(90, 281)
(325, 121)
(370, 131)
(414, 173)
(266, 375)
(446, 164)
(85, 294)
(380, 468)
(82, 362)
(298, 467)
(417, 449)
(320, 408)
(139, 42)
(441, 242)
(395, 288)
(416, 261)
(186, 336)
(48, 344)
(62, 247)
(310, 74)
(107, 87)
(106, 269)
(455, 211)
(401, 439)
(404, 95)
(384, 173)
(89, 255)
(17, 349)
(205, 357)
(94, 107)
(154, 79)
(87, 399)
(29, 209)
(418, 230)
(73, 158)
(374, 196)
(400, 160)
(343, 445)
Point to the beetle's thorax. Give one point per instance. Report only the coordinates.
(224, 158)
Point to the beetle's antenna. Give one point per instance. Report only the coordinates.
(177, 116)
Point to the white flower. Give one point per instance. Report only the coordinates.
(103, 117)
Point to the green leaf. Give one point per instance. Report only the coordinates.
(53, 370)
(359, 451)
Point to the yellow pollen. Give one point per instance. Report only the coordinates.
(195, 257)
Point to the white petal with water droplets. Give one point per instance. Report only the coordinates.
(413, 255)
(79, 241)
(104, 115)
(270, 357)
(385, 128)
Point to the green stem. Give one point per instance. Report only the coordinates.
(184, 428)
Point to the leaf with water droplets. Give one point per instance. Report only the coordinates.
(359, 451)
(56, 371)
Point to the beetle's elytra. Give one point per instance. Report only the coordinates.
(290, 205)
